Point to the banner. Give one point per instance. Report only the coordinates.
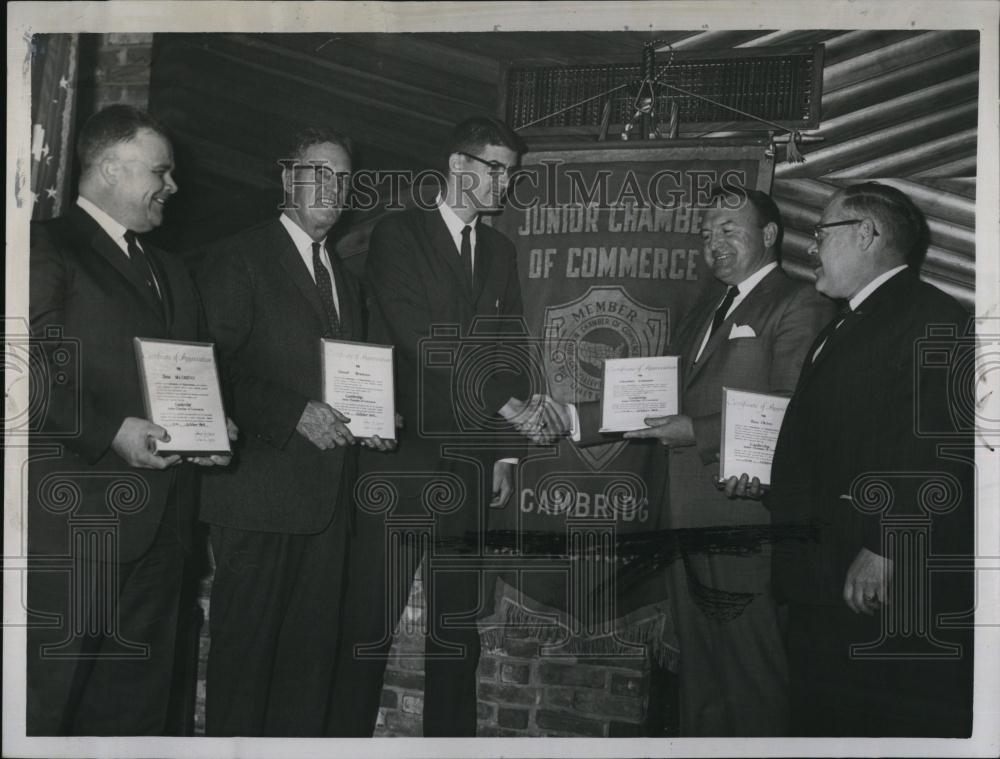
(610, 260)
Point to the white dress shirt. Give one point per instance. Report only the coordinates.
(455, 226)
(303, 244)
(861, 295)
(745, 287)
(116, 231)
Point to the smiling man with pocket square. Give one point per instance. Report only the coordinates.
(751, 332)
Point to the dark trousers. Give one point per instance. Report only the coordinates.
(382, 567)
(733, 678)
(274, 621)
(835, 694)
(90, 672)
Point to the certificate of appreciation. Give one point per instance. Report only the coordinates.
(750, 426)
(181, 390)
(635, 388)
(358, 382)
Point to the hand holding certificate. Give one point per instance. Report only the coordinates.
(358, 382)
(750, 426)
(637, 388)
(181, 390)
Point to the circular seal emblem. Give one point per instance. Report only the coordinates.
(605, 322)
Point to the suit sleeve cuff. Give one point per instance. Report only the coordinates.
(574, 423)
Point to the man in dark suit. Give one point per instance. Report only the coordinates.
(752, 335)
(869, 446)
(101, 636)
(278, 518)
(428, 268)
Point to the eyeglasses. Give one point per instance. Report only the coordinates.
(844, 223)
(495, 168)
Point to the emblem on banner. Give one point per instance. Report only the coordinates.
(604, 322)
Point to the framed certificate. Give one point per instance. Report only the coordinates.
(750, 426)
(635, 388)
(182, 394)
(358, 382)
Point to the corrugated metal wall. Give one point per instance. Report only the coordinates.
(897, 105)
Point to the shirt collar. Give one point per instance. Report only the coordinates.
(754, 279)
(116, 230)
(451, 220)
(872, 286)
(301, 240)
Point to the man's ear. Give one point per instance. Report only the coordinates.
(110, 169)
(770, 234)
(866, 234)
(454, 162)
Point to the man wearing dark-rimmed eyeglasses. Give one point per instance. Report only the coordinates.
(432, 273)
(873, 467)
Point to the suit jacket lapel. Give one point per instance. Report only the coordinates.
(101, 242)
(444, 248)
(701, 320)
(483, 259)
(163, 280)
(885, 294)
(296, 269)
(759, 294)
(346, 297)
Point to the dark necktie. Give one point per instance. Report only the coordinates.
(827, 332)
(325, 286)
(466, 253)
(720, 312)
(140, 263)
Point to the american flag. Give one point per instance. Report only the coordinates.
(53, 100)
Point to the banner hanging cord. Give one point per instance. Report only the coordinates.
(792, 154)
(570, 107)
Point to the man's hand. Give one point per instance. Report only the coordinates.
(503, 483)
(378, 444)
(743, 487)
(867, 581)
(324, 426)
(232, 432)
(541, 419)
(135, 443)
(673, 431)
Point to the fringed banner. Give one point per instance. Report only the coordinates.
(610, 260)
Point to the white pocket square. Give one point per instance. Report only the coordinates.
(741, 330)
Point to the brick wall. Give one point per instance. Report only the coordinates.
(521, 692)
(113, 68)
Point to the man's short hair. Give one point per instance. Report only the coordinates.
(305, 138)
(897, 218)
(110, 126)
(472, 135)
(763, 205)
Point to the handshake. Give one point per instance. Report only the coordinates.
(540, 419)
